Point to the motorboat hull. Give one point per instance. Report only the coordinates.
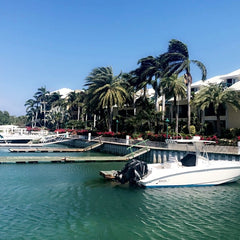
(214, 173)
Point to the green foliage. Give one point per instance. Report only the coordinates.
(192, 130)
(230, 133)
(75, 124)
(146, 119)
(106, 91)
(4, 118)
(19, 121)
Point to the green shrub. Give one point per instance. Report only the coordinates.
(192, 130)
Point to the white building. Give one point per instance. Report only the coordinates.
(230, 118)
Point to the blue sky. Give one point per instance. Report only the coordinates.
(56, 43)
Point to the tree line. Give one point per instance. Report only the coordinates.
(111, 102)
(7, 119)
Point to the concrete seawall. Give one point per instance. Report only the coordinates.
(158, 154)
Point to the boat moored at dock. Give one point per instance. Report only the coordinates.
(194, 169)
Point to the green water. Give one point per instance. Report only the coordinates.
(71, 201)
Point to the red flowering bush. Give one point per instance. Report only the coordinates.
(157, 137)
(61, 130)
(82, 131)
(106, 134)
(32, 129)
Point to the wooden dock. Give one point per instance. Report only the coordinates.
(45, 150)
(49, 149)
(111, 175)
(43, 159)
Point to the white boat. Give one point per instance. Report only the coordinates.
(193, 169)
(13, 136)
(18, 139)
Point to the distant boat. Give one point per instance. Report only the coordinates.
(193, 169)
(24, 138)
(17, 138)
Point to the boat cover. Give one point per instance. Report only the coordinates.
(189, 160)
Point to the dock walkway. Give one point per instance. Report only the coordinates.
(137, 153)
(43, 159)
(49, 149)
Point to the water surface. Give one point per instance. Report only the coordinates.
(71, 201)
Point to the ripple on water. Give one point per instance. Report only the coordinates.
(71, 201)
(190, 213)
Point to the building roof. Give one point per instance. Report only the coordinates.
(234, 74)
(221, 79)
(235, 86)
(63, 92)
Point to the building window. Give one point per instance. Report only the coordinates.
(194, 89)
(230, 82)
(210, 110)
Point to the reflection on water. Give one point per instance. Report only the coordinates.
(71, 201)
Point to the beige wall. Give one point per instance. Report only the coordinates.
(233, 118)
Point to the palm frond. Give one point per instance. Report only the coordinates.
(176, 46)
(202, 67)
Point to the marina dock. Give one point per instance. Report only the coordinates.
(67, 159)
(49, 149)
(43, 159)
(45, 150)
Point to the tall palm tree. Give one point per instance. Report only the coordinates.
(71, 104)
(106, 91)
(174, 87)
(131, 89)
(31, 111)
(217, 96)
(151, 71)
(179, 61)
(137, 79)
(42, 96)
(76, 100)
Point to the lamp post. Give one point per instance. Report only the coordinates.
(167, 121)
(116, 126)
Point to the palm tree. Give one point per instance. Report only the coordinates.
(151, 71)
(31, 111)
(216, 95)
(41, 95)
(106, 91)
(174, 86)
(137, 79)
(178, 61)
(131, 89)
(76, 100)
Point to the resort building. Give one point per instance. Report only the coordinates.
(229, 117)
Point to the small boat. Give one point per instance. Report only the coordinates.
(194, 169)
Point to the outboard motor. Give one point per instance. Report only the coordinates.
(132, 172)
